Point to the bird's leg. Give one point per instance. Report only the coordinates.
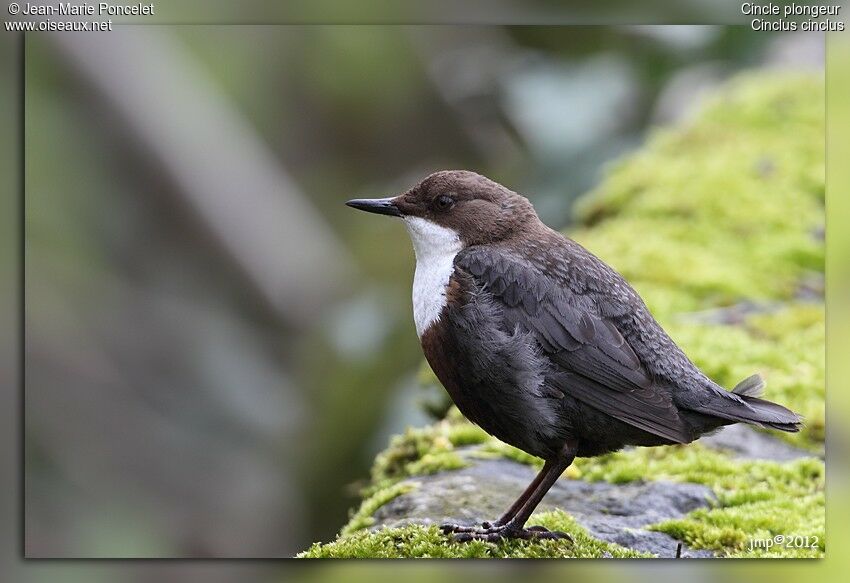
(509, 513)
(523, 498)
(514, 527)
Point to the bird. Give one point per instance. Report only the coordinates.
(545, 346)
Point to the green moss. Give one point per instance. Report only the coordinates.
(421, 541)
(736, 530)
(425, 450)
(755, 499)
(723, 211)
(495, 448)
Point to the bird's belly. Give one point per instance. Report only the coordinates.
(498, 386)
(495, 379)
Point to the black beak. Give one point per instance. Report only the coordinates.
(381, 206)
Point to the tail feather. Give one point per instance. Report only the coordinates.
(743, 405)
(752, 386)
(772, 415)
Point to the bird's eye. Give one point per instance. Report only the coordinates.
(444, 202)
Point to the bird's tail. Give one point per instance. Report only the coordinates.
(744, 405)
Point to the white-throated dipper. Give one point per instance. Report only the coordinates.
(543, 345)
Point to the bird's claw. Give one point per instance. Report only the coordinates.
(496, 532)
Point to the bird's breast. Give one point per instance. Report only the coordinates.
(430, 282)
(435, 248)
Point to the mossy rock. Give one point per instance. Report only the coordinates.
(719, 225)
(418, 541)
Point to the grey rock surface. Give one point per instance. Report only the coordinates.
(617, 513)
(744, 442)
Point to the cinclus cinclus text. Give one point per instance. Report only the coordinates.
(543, 345)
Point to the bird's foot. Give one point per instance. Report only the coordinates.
(497, 532)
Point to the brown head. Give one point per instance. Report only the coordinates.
(457, 203)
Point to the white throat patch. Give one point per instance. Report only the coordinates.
(435, 249)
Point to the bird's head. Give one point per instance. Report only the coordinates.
(455, 207)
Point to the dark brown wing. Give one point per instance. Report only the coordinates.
(592, 360)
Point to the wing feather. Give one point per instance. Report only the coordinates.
(593, 361)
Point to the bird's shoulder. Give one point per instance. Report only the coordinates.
(564, 296)
(554, 268)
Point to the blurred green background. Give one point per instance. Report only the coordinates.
(216, 347)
